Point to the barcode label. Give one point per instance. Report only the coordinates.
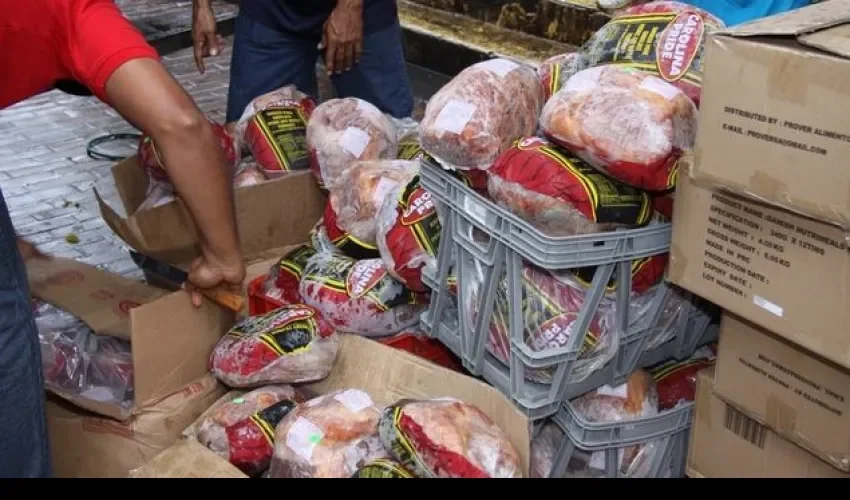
(745, 427)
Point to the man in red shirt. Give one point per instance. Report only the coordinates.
(90, 42)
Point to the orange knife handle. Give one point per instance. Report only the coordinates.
(225, 298)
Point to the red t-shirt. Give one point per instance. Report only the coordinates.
(42, 41)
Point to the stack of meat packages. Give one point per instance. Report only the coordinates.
(271, 135)
(273, 425)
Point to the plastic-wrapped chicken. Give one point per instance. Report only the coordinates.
(342, 131)
(290, 345)
(676, 381)
(544, 447)
(630, 125)
(562, 195)
(447, 438)
(556, 70)
(480, 113)
(647, 272)
(241, 430)
(331, 436)
(408, 233)
(274, 128)
(359, 297)
(382, 468)
(351, 213)
(284, 276)
(250, 175)
(635, 399)
(77, 361)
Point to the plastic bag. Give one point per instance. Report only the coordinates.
(158, 193)
(77, 361)
(250, 175)
(562, 195)
(544, 447)
(359, 297)
(447, 438)
(676, 381)
(480, 113)
(274, 128)
(408, 233)
(351, 213)
(242, 430)
(289, 345)
(284, 276)
(665, 39)
(674, 313)
(636, 398)
(630, 125)
(342, 131)
(382, 468)
(646, 273)
(331, 436)
(556, 70)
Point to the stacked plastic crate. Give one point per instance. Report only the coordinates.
(484, 247)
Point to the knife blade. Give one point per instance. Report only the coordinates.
(220, 294)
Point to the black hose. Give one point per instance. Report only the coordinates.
(98, 155)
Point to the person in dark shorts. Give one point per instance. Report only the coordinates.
(277, 43)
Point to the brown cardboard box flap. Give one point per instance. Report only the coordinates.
(187, 459)
(800, 23)
(273, 214)
(389, 374)
(102, 300)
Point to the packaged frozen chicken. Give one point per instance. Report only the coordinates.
(382, 468)
(676, 381)
(250, 175)
(480, 112)
(630, 125)
(284, 276)
(293, 344)
(342, 131)
(556, 70)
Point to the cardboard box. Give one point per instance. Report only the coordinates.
(725, 443)
(784, 272)
(388, 375)
(86, 445)
(782, 135)
(187, 459)
(801, 397)
(171, 339)
(270, 215)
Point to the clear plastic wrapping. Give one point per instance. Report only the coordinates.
(447, 438)
(562, 195)
(242, 430)
(342, 131)
(676, 381)
(284, 276)
(382, 468)
(556, 70)
(331, 436)
(249, 175)
(635, 399)
(408, 233)
(274, 129)
(293, 344)
(631, 125)
(359, 297)
(480, 112)
(544, 447)
(352, 209)
(78, 362)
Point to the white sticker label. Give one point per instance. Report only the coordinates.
(303, 437)
(499, 66)
(382, 190)
(660, 87)
(768, 306)
(475, 209)
(621, 391)
(354, 140)
(454, 116)
(354, 400)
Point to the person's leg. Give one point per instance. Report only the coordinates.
(24, 447)
(263, 60)
(381, 77)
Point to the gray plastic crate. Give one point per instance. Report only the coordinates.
(666, 434)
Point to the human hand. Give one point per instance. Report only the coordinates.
(29, 251)
(206, 273)
(342, 36)
(205, 40)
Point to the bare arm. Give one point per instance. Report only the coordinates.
(147, 96)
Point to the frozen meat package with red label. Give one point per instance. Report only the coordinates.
(562, 195)
(293, 344)
(630, 125)
(359, 296)
(331, 436)
(676, 381)
(274, 128)
(353, 204)
(408, 233)
(447, 438)
(284, 276)
(672, 37)
(241, 430)
(249, 175)
(480, 112)
(556, 70)
(342, 131)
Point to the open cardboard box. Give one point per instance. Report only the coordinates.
(171, 339)
(270, 215)
(387, 375)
